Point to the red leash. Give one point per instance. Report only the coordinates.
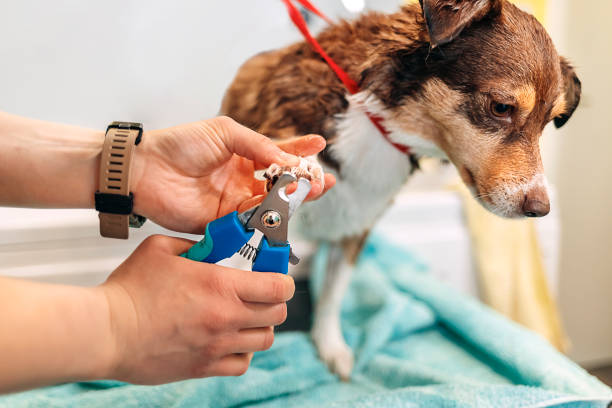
(348, 82)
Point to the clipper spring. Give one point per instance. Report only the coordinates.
(248, 251)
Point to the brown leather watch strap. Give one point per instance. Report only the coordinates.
(114, 182)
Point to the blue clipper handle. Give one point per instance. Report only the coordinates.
(272, 258)
(223, 237)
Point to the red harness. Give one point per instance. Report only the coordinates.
(348, 82)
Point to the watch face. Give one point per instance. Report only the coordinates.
(126, 125)
(130, 126)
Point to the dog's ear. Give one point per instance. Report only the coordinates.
(572, 89)
(447, 18)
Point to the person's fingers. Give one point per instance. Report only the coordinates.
(262, 315)
(259, 187)
(330, 181)
(171, 245)
(250, 203)
(252, 145)
(316, 189)
(302, 146)
(251, 340)
(230, 365)
(315, 193)
(264, 287)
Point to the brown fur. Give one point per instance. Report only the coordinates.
(485, 52)
(436, 71)
(294, 88)
(352, 247)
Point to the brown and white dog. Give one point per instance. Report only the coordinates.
(471, 81)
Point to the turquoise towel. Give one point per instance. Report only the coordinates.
(417, 343)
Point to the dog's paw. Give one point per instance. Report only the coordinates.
(308, 168)
(335, 353)
(339, 359)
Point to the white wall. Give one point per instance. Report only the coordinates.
(158, 62)
(583, 175)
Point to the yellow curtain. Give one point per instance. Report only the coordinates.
(535, 7)
(511, 273)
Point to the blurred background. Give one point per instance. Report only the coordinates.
(163, 63)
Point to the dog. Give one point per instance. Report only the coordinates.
(473, 82)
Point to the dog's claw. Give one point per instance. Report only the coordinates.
(308, 168)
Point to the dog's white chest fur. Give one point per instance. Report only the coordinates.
(372, 173)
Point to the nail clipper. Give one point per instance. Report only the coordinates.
(258, 235)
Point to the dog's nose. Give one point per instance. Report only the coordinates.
(536, 203)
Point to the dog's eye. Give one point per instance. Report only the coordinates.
(501, 110)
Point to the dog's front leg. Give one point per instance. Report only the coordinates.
(326, 330)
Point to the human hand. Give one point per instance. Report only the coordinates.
(174, 319)
(188, 175)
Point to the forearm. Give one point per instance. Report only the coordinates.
(44, 164)
(51, 334)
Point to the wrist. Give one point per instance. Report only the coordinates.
(61, 334)
(104, 357)
(114, 198)
(120, 322)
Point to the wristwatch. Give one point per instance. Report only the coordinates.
(114, 201)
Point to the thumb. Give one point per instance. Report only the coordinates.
(169, 245)
(302, 146)
(252, 145)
